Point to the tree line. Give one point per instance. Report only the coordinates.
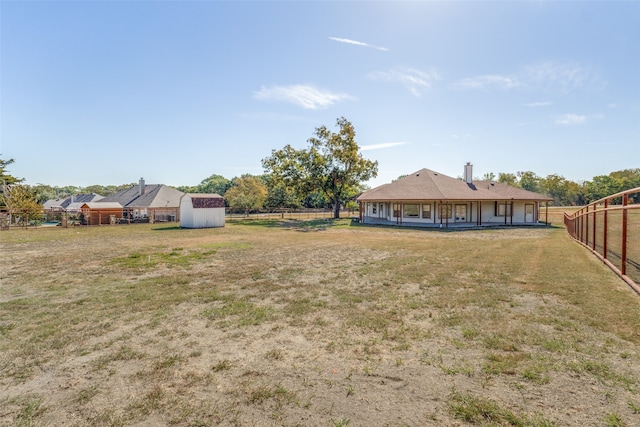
(330, 173)
(570, 193)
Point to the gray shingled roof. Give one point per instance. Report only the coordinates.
(82, 198)
(154, 196)
(426, 184)
(77, 198)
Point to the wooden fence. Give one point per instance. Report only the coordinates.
(301, 214)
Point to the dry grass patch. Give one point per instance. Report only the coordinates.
(312, 323)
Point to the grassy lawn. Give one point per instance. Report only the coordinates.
(320, 322)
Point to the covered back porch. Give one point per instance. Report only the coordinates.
(453, 213)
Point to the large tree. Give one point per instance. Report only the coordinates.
(281, 197)
(563, 191)
(6, 181)
(246, 193)
(331, 165)
(5, 177)
(214, 184)
(20, 201)
(528, 180)
(605, 185)
(508, 178)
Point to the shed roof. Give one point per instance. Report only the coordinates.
(426, 184)
(205, 200)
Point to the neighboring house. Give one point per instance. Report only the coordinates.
(53, 205)
(99, 213)
(75, 207)
(70, 204)
(201, 210)
(428, 198)
(148, 202)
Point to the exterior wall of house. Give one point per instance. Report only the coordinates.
(430, 212)
(101, 216)
(524, 212)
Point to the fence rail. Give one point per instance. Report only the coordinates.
(19, 219)
(610, 228)
(302, 214)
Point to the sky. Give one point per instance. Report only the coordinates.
(108, 92)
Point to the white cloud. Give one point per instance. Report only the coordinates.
(556, 76)
(571, 119)
(489, 82)
(564, 76)
(357, 43)
(538, 104)
(267, 115)
(381, 146)
(611, 106)
(416, 81)
(576, 119)
(306, 96)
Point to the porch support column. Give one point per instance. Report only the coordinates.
(448, 214)
(511, 213)
(505, 212)
(546, 212)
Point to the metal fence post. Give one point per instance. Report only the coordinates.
(625, 202)
(595, 214)
(604, 237)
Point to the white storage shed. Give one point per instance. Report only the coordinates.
(200, 210)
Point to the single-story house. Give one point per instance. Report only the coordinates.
(100, 213)
(199, 210)
(148, 202)
(430, 199)
(71, 203)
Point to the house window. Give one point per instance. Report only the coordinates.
(411, 211)
(396, 210)
(426, 211)
(374, 208)
(446, 211)
(502, 209)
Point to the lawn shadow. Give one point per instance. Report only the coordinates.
(167, 228)
(295, 224)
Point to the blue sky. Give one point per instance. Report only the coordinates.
(106, 92)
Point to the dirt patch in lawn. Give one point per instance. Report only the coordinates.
(262, 324)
